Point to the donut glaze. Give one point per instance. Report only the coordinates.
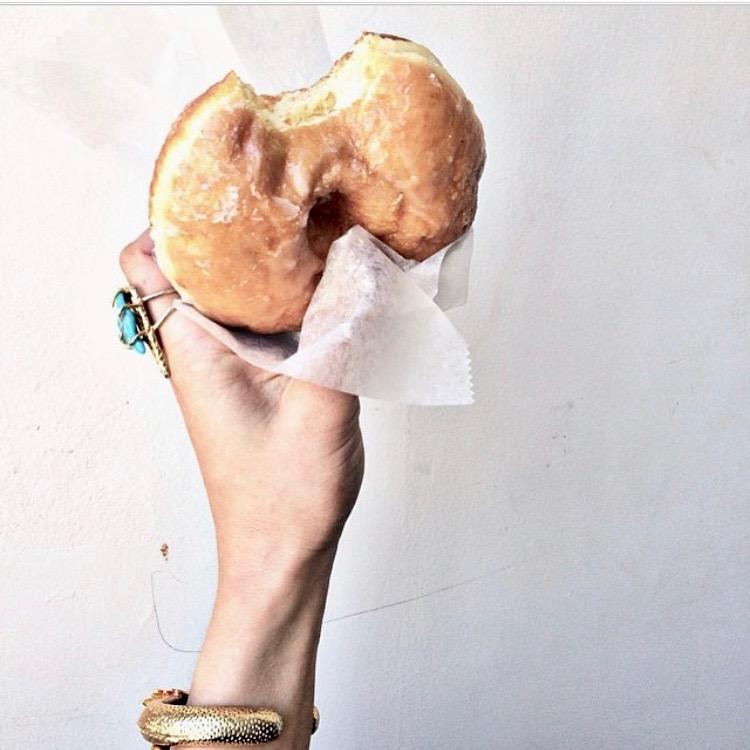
(250, 190)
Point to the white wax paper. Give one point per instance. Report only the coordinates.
(375, 326)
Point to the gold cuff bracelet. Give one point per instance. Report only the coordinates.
(167, 720)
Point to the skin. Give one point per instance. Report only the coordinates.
(282, 462)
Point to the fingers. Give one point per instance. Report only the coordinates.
(185, 344)
(140, 269)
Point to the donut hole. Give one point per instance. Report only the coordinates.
(327, 220)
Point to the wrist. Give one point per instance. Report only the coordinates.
(273, 569)
(261, 645)
(278, 533)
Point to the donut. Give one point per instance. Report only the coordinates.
(249, 191)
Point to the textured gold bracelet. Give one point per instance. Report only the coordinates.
(167, 720)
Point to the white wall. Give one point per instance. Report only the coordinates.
(596, 493)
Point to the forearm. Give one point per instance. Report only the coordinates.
(261, 645)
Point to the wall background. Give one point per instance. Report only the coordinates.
(595, 496)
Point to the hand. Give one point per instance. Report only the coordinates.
(282, 462)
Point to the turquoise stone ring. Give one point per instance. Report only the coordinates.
(127, 323)
(137, 332)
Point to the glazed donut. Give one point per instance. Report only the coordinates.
(250, 190)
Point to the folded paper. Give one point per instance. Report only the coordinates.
(372, 328)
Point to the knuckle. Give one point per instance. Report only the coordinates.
(127, 256)
(134, 253)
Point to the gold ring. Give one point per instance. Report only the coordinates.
(137, 332)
